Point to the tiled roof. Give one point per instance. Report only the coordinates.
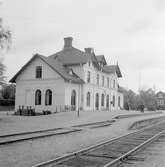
(101, 58)
(112, 69)
(56, 66)
(70, 56)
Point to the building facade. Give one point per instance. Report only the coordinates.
(160, 100)
(70, 78)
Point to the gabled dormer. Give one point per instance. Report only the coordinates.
(101, 60)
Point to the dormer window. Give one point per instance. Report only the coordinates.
(39, 72)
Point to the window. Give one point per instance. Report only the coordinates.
(102, 80)
(113, 83)
(113, 101)
(48, 97)
(97, 101)
(73, 98)
(88, 99)
(108, 82)
(88, 77)
(97, 79)
(89, 63)
(119, 101)
(38, 97)
(107, 102)
(38, 72)
(102, 100)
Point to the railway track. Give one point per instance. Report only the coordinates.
(111, 152)
(18, 137)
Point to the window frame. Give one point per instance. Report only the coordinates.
(88, 77)
(88, 99)
(38, 97)
(38, 72)
(98, 78)
(102, 100)
(48, 97)
(102, 80)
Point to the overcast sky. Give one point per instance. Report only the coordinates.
(131, 32)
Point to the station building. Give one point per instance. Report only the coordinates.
(69, 79)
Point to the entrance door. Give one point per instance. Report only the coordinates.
(97, 101)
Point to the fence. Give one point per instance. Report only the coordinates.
(30, 111)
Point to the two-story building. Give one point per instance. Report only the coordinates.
(160, 100)
(69, 78)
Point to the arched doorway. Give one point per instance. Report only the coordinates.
(107, 102)
(97, 101)
(73, 100)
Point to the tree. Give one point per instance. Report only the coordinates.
(130, 99)
(5, 36)
(8, 91)
(148, 98)
(5, 41)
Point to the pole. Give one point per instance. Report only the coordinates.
(78, 111)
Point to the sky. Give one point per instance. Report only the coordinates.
(130, 32)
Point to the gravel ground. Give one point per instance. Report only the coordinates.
(154, 156)
(28, 153)
(14, 124)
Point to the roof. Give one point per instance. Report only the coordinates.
(70, 56)
(101, 58)
(160, 93)
(55, 65)
(112, 69)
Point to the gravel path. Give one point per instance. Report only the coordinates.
(152, 156)
(14, 124)
(30, 152)
(26, 154)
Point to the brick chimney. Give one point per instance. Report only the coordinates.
(89, 50)
(68, 42)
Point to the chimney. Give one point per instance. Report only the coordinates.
(89, 50)
(68, 42)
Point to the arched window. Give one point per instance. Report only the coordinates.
(88, 99)
(107, 102)
(38, 97)
(73, 98)
(119, 101)
(48, 97)
(97, 101)
(102, 100)
(113, 101)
